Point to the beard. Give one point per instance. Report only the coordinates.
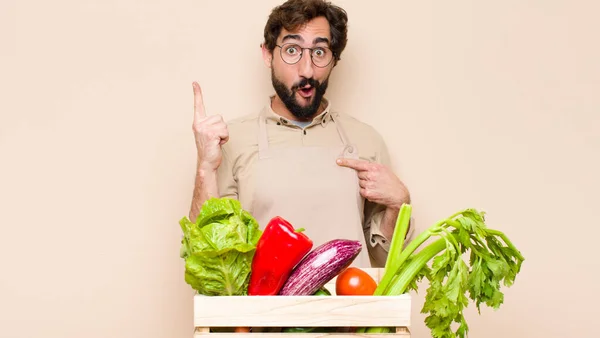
(288, 96)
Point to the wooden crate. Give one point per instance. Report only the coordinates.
(303, 311)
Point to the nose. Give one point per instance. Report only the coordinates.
(305, 65)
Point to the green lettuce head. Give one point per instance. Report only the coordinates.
(218, 249)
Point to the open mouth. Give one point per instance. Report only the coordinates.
(307, 91)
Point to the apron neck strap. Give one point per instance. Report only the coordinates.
(263, 138)
(340, 129)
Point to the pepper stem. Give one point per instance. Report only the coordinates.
(300, 229)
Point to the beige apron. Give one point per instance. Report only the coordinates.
(305, 186)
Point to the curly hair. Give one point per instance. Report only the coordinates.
(294, 13)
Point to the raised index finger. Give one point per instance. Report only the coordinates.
(199, 111)
(353, 163)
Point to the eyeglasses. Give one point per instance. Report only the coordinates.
(291, 53)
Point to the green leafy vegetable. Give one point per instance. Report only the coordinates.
(218, 248)
(493, 260)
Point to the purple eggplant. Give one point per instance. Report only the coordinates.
(320, 266)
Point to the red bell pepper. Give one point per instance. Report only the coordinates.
(278, 250)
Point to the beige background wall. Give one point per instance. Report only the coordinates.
(484, 104)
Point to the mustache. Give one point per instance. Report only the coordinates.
(312, 82)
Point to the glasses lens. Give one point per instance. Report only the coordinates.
(321, 56)
(291, 53)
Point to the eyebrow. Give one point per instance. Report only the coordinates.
(292, 37)
(317, 40)
(298, 37)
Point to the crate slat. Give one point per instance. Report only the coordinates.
(321, 311)
(403, 334)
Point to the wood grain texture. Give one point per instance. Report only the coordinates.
(302, 311)
(404, 334)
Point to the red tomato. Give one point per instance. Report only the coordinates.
(355, 282)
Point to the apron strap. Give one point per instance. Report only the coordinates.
(263, 138)
(349, 149)
(340, 130)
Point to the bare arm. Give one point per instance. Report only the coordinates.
(205, 187)
(390, 216)
(210, 134)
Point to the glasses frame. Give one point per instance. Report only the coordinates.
(302, 54)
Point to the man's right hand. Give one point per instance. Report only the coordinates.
(210, 134)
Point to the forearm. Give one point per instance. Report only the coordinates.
(390, 216)
(205, 187)
(388, 221)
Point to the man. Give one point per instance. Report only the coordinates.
(298, 158)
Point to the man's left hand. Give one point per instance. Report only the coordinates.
(378, 183)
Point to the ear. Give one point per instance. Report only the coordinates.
(267, 55)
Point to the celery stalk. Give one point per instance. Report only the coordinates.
(493, 260)
(392, 271)
(412, 269)
(398, 237)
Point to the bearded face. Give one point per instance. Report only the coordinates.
(302, 98)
